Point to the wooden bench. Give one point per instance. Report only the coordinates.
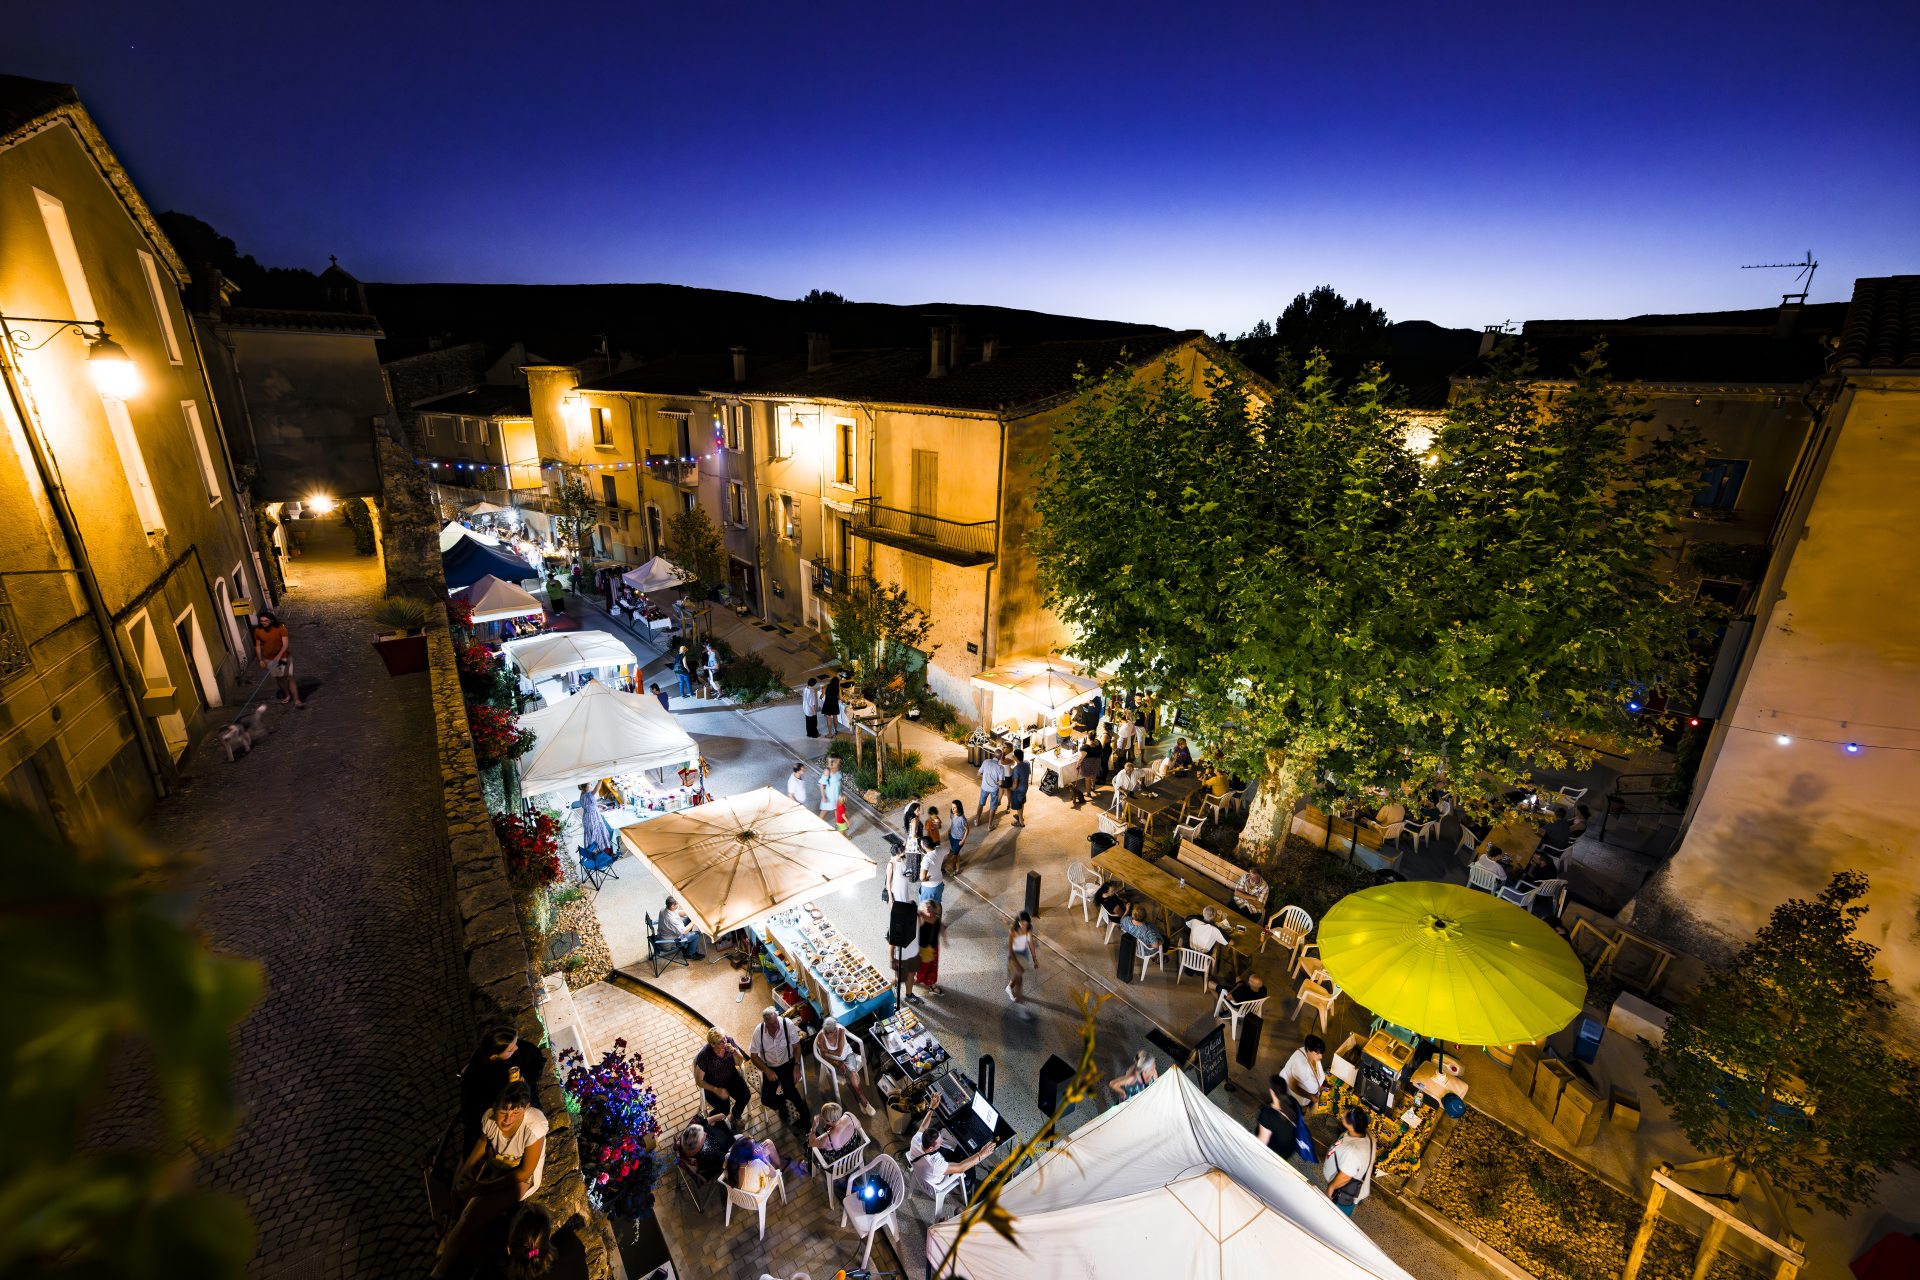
(1342, 835)
(1211, 865)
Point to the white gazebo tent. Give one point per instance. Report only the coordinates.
(1046, 685)
(485, 508)
(1165, 1184)
(657, 574)
(454, 531)
(597, 733)
(549, 656)
(741, 859)
(495, 601)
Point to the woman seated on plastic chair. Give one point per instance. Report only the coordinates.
(703, 1146)
(1142, 1073)
(1111, 898)
(838, 1050)
(753, 1162)
(835, 1133)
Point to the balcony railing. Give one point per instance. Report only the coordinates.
(947, 540)
(672, 470)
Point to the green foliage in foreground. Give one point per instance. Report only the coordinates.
(93, 955)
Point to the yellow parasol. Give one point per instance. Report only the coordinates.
(1452, 963)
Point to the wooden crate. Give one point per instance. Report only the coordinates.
(1526, 1064)
(1623, 1109)
(1548, 1081)
(1578, 1115)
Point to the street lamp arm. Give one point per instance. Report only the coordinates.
(20, 336)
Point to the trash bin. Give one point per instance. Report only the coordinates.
(1099, 842)
(1135, 840)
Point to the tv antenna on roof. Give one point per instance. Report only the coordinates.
(1804, 269)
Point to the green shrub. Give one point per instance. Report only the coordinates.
(359, 518)
(402, 613)
(750, 679)
(907, 779)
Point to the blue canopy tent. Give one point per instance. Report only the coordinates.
(469, 560)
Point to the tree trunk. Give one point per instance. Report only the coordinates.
(1270, 814)
(1717, 1230)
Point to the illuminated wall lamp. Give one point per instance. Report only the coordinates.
(108, 363)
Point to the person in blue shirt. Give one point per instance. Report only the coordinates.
(1136, 927)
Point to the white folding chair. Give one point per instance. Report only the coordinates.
(1082, 882)
(1187, 960)
(1314, 996)
(1233, 1013)
(1156, 956)
(887, 1169)
(843, 1168)
(1485, 879)
(756, 1201)
(1289, 926)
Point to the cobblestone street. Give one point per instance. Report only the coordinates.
(323, 858)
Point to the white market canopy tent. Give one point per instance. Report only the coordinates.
(1165, 1184)
(456, 531)
(543, 657)
(493, 600)
(598, 733)
(738, 860)
(656, 574)
(1050, 684)
(485, 508)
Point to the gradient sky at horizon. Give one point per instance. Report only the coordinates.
(1130, 161)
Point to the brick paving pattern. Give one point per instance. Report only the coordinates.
(323, 857)
(802, 1234)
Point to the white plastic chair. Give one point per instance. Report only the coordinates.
(887, 1169)
(1485, 879)
(843, 1168)
(1314, 996)
(1307, 964)
(756, 1202)
(1573, 795)
(1233, 1013)
(1109, 922)
(1289, 926)
(1215, 807)
(1156, 956)
(1111, 824)
(1190, 829)
(1187, 960)
(1525, 895)
(1469, 842)
(824, 1074)
(1082, 882)
(1392, 831)
(939, 1192)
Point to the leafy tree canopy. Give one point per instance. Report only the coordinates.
(823, 297)
(699, 550)
(574, 512)
(1318, 595)
(1353, 335)
(1781, 1062)
(882, 636)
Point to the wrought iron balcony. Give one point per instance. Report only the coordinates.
(673, 470)
(945, 540)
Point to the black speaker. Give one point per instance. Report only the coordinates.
(985, 1076)
(1055, 1073)
(1123, 958)
(1033, 894)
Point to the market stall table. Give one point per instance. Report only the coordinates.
(818, 961)
(909, 1045)
(1179, 903)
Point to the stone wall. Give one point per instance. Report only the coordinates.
(499, 967)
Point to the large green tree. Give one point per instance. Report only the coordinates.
(1343, 613)
(574, 513)
(1781, 1062)
(882, 637)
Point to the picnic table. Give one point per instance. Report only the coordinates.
(1179, 902)
(1150, 803)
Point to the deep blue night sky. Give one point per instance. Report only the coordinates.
(1186, 165)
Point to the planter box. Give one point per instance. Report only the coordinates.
(404, 655)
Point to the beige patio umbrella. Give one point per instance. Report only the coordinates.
(741, 859)
(1046, 683)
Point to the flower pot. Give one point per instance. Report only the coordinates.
(404, 655)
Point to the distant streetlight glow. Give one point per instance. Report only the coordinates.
(321, 504)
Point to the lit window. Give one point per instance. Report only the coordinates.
(602, 419)
(158, 292)
(843, 472)
(208, 473)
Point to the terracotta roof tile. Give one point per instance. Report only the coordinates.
(1883, 325)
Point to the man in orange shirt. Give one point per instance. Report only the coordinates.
(274, 647)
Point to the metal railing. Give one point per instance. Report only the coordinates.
(672, 470)
(1635, 814)
(952, 541)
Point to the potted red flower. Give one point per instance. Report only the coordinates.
(497, 735)
(404, 645)
(531, 843)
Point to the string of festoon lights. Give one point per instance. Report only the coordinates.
(1849, 744)
(438, 465)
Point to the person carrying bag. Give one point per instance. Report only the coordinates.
(1356, 1150)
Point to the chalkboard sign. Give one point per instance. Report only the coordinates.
(1211, 1054)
